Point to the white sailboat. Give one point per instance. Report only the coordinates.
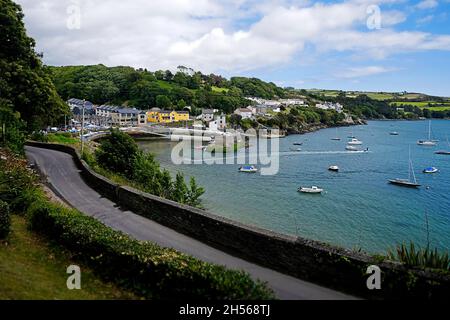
(427, 142)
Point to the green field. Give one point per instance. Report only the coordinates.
(437, 106)
(221, 90)
(31, 268)
(372, 95)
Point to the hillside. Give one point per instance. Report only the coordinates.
(144, 89)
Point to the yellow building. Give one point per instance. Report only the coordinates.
(180, 116)
(156, 115)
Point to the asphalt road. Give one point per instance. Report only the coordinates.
(62, 173)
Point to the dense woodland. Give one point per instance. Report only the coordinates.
(144, 89)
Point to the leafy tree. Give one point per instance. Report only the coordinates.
(180, 192)
(24, 83)
(181, 104)
(117, 152)
(163, 102)
(194, 193)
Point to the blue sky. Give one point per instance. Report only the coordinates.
(386, 45)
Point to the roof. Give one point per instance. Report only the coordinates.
(207, 111)
(155, 109)
(79, 102)
(183, 112)
(244, 110)
(128, 110)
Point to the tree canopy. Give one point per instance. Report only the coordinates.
(25, 86)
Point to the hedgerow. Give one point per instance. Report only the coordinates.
(149, 270)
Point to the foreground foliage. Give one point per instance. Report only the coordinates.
(34, 268)
(119, 153)
(146, 268)
(26, 88)
(420, 257)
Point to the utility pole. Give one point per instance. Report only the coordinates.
(82, 128)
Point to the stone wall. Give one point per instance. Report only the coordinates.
(306, 259)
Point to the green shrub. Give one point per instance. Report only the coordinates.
(152, 271)
(39, 136)
(15, 178)
(5, 220)
(420, 257)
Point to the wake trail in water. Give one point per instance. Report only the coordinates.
(282, 153)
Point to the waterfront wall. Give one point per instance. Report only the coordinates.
(327, 265)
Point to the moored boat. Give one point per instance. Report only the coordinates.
(428, 142)
(249, 169)
(334, 168)
(312, 189)
(295, 149)
(404, 183)
(443, 152)
(407, 182)
(351, 148)
(430, 170)
(354, 141)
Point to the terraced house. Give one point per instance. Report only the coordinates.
(118, 116)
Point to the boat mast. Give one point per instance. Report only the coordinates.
(429, 130)
(411, 168)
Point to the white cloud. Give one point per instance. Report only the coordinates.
(427, 4)
(213, 35)
(358, 72)
(425, 19)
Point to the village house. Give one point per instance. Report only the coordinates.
(207, 115)
(156, 115)
(245, 113)
(219, 123)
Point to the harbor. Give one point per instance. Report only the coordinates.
(358, 209)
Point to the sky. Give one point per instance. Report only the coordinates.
(386, 45)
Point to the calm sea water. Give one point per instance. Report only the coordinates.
(359, 208)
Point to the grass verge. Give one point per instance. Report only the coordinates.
(33, 268)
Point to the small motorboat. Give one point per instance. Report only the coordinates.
(430, 170)
(249, 169)
(351, 148)
(336, 139)
(334, 168)
(312, 189)
(393, 133)
(298, 143)
(295, 149)
(354, 141)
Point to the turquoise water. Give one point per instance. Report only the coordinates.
(359, 208)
